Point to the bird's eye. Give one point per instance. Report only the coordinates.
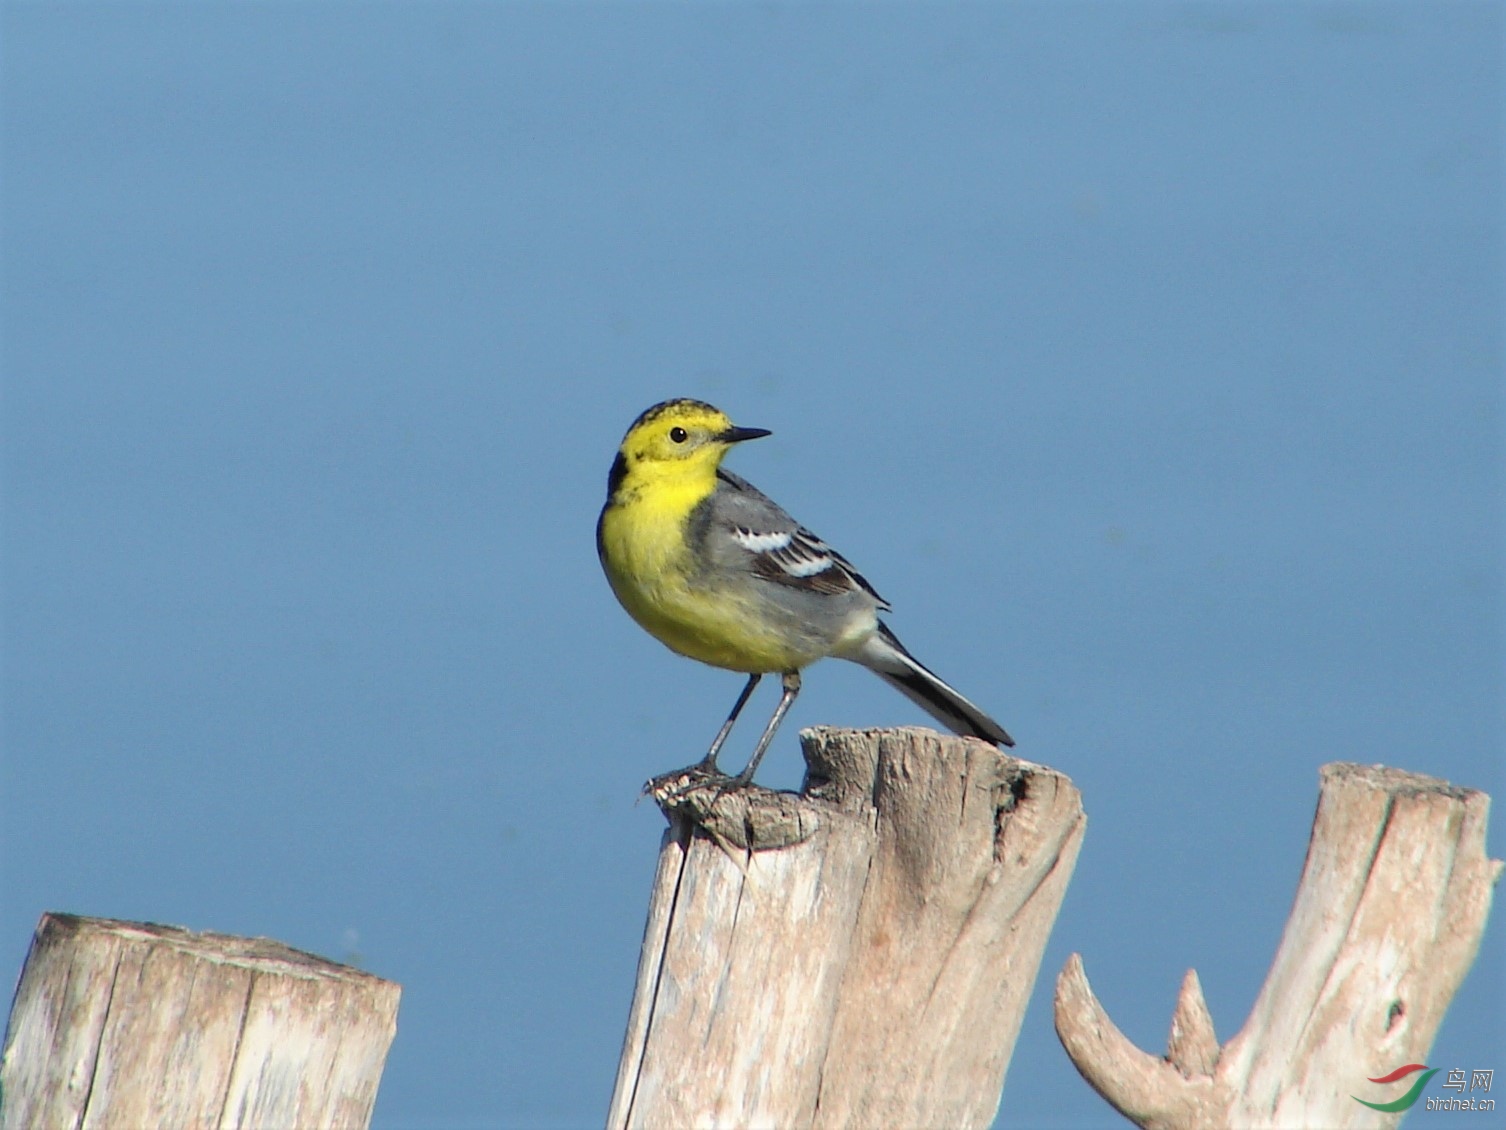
(678, 435)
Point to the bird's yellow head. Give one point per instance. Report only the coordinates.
(677, 441)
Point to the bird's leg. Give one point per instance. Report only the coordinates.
(790, 680)
(708, 763)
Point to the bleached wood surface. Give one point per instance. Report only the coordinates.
(872, 972)
(1387, 921)
(128, 1024)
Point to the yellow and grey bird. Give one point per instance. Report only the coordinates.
(715, 570)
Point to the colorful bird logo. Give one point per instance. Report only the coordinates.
(1406, 1101)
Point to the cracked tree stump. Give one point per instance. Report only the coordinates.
(858, 955)
(128, 1024)
(1387, 921)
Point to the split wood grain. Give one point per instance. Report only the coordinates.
(127, 1024)
(1388, 919)
(875, 969)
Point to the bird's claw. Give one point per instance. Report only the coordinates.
(678, 783)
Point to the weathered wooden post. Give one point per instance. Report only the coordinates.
(128, 1024)
(858, 955)
(1387, 921)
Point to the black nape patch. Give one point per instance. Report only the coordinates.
(616, 474)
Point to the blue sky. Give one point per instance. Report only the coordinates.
(1148, 359)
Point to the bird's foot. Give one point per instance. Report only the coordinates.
(677, 783)
(734, 811)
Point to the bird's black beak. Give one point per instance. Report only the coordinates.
(737, 435)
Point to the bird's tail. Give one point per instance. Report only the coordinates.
(886, 657)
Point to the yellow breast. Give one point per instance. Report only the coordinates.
(648, 563)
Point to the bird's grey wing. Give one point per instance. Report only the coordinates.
(776, 547)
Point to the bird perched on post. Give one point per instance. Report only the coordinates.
(716, 571)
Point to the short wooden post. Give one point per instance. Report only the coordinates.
(858, 955)
(128, 1024)
(1387, 921)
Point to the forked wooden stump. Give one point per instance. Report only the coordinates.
(1387, 921)
(858, 955)
(129, 1024)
